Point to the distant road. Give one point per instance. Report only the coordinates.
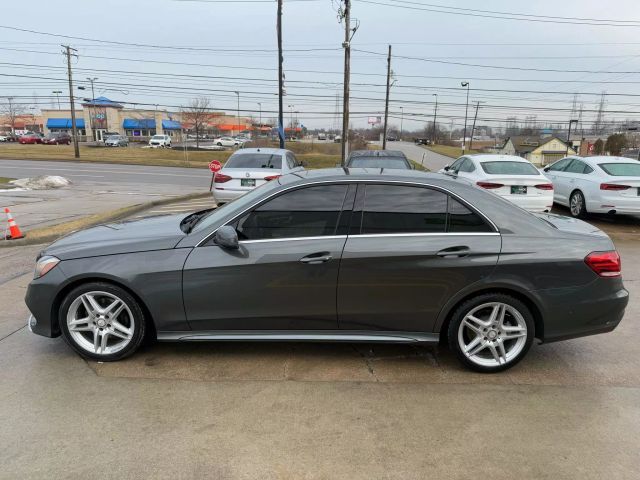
(428, 159)
(104, 173)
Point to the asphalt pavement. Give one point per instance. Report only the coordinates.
(316, 411)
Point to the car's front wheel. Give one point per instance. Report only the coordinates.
(102, 321)
(491, 332)
(578, 205)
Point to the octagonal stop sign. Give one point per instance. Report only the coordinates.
(215, 166)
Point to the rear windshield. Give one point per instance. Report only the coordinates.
(621, 169)
(158, 137)
(255, 160)
(379, 162)
(509, 168)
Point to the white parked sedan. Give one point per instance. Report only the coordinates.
(513, 178)
(249, 168)
(596, 184)
(226, 142)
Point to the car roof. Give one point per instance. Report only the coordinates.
(272, 151)
(498, 158)
(377, 153)
(363, 174)
(608, 159)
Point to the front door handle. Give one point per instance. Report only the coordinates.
(316, 258)
(461, 251)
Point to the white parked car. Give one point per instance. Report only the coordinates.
(596, 184)
(249, 168)
(226, 142)
(160, 141)
(511, 177)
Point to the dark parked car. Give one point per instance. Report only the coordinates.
(335, 255)
(378, 159)
(57, 139)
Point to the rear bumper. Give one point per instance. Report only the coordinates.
(537, 203)
(581, 311)
(223, 195)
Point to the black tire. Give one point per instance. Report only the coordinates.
(219, 144)
(138, 317)
(580, 208)
(461, 312)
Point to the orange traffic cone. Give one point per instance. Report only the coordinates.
(14, 230)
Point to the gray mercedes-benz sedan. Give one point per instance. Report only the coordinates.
(348, 255)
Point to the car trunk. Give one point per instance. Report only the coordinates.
(245, 179)
(627, 193)
(571, 225)
(516, 185)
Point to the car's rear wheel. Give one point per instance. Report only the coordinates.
(491, 332)
(578, 205)
(102, 322)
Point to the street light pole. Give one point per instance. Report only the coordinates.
(435, 113)
(569, 136)
(260, 106)
(291, 115)
(93, 100)
(238, 94)
(57, 93)
(466, 110)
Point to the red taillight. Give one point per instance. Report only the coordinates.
(605, 264)
(545, 186)
(613, 186)
(489, 185)
(271, 177)
(222, 178)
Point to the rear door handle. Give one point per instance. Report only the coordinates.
(454, 252)
(316, 258)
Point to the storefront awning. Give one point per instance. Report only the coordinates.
(139, 124)
(171, 125)
(229, 127)
(64, 123)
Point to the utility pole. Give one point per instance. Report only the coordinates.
(74, 132)
(386, 102)
(291, 119)
(57, 93)
(93, 107)
(260, 107)
(435, 113)
(12, 115)
(569, 136)
(280, 77)
(401, 121)
(347, 74)
(238, 94)
(464, 135)
(474, 125)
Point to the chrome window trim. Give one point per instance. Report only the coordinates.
(348, 181)
(374, 235)
(295, 239)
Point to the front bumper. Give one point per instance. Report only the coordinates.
(41, 300)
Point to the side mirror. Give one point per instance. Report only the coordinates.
(227, 237)
(546, 169)
(447, 167)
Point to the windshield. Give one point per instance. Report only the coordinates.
(238, 204)
(113, 137)
(254, 160)
(621, 169)
(158, 137)
(379, 162)
(509, 168)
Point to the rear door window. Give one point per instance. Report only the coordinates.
(560, 165)
(576, 166)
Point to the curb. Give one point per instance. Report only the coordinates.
(53, 232)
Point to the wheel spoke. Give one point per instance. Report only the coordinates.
(481, 345)
(90, 304)
(494, 352)
(467, 323)
(114, 309)
(501, 352)
(96, 340)
(118, 334)
(510, 333)
(117, 326)
(103, 342)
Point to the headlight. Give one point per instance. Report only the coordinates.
(44, 265)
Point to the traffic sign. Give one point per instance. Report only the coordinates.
(215, 166)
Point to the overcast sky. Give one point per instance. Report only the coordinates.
(233, 45)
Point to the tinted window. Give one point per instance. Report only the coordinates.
(455, 165)
(398, 209)
(467, 166)
(509, 168)
(378, 162)
(559, 165)
(576, 166)
(254, 160)
(306, 212)
(621, 169)
(461, 219)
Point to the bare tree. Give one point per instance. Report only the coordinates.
(10, 111)
(196, 114)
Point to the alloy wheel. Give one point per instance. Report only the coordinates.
(492, 334)
(577, 204)
(100, 322)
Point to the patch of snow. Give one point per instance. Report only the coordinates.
(43, 182)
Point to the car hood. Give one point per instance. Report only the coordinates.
(155, 233)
